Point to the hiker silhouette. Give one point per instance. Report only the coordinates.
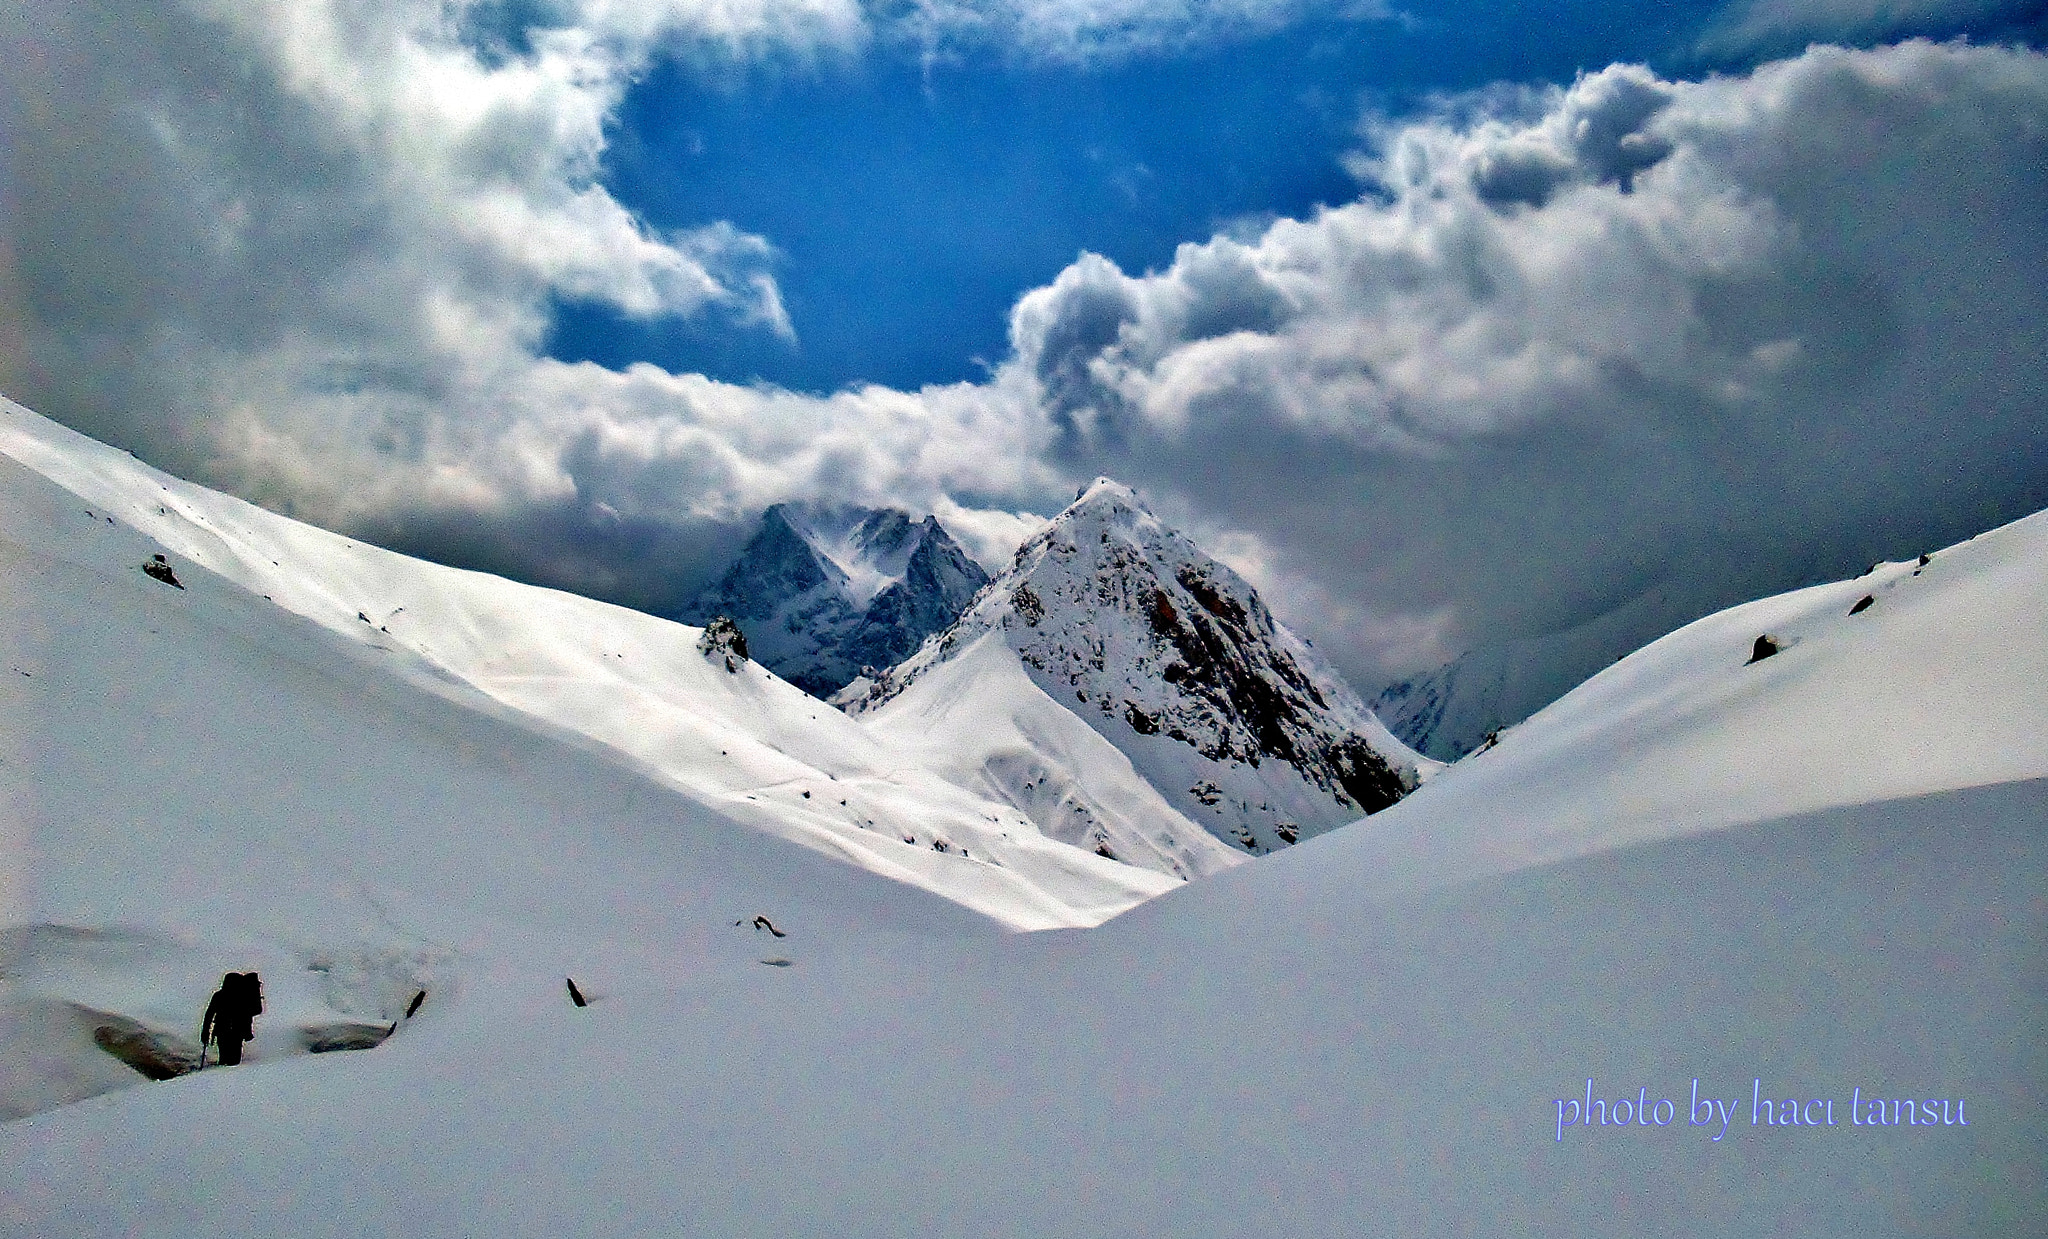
(230, 1016)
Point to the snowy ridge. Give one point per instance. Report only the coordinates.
(747, 745)
(1934, 684)
(1174, 659)
(1450, 711)
(824, 592)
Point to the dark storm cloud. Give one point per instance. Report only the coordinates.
(1078, 319)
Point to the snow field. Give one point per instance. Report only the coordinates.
(1820, 873)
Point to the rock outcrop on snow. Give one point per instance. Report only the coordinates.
(823, 593)
(1175, 659)
(723, 639)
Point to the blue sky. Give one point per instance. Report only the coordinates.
(1446, 324)
(912, 204)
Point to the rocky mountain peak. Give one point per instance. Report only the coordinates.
(777, 563)
(1174, 657)
(822, 592)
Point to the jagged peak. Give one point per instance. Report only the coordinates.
(1105, 506)
(825, 589)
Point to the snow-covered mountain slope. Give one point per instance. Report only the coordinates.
(743, 745)
(1450, 711)
(193, 781)
(1939, 682)
(985, 724)
(1381, 1031)
(1174, 659)
(822, 593)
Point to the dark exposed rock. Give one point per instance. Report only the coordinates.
(157, 1055)
(1369, 779)
(1764, 648)
(159, 569)
(1028, 607)
(331, 1038)
(723, 641)
(1862, 604)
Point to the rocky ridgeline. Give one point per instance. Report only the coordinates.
(1174, 657)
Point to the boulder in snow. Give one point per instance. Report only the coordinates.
(158, 568)
(158, 1055)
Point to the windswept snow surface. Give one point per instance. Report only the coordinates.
(745, 745)
(193, 781)
(1813, 879)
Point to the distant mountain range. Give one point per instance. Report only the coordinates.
(823, 592)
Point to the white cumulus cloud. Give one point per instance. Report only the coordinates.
(1568, 337)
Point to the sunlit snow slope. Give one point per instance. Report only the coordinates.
(1939, 682)
(193, 781)
(746, 745)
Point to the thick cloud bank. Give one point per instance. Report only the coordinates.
(1563, 339)
(1569, 337)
